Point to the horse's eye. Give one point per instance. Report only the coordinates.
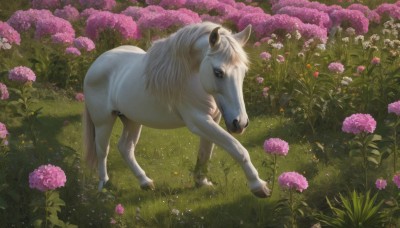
(218, 73)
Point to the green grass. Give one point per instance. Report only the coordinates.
(168, 157)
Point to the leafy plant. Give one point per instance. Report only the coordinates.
(355, 210)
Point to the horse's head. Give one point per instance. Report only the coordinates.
(222, 72)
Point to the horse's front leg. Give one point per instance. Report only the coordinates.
(204, 155)
(205, 127)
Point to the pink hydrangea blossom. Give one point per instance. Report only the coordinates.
(396, 179)
(46, 4)
(375, 61)
(380, 183)
(293, 180)
(98, 4)
(84, 43)
(370, 14)
(168, 19)
(80, 97)
(119, 209)
(265, 91)
(137, 12)
(21, 74)
(201, 5)
(307, 15)
(72, 51)
(172, 4)
(68, 13)
(391, 10)
(4, 95)
(355, 18)
(394, 108)
(86, 13)
(3, 131)
(276, 146)
(62, 38)
(257, 20)
(22, 20)
(8, 32)
(358, 123)
(53, 25)
(336, 67)
(47, 177)
(101, 21)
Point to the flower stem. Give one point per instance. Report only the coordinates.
(293, 219)
(273, 175)
(395, 146)
(46, 195)
(364, 153)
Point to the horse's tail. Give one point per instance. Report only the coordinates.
(89, 139)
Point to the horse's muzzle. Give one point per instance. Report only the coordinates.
(237, 126)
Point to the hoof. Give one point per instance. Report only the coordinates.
(262, 192)
(148, 186)
(204, 182)
(101, 185)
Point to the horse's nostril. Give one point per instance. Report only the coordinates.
(236, 124)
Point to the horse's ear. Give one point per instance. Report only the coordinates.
(214, 38)
(243, 36)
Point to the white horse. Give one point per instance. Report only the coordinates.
(190, 78)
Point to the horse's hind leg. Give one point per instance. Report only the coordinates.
(103, 132)
(128, 141)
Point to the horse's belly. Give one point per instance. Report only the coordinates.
(159, 120)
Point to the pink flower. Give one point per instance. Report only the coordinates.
(8, 32)
(3, 131)
(380, 184)
(396, 179)
(293, 180)
(51, 25)
(47, 177)
(360, 69)
(113, 221)
(84, 43)
(68, 13)
(72, 51)
(80, 97)
(24, 20)
(375, 61)
(316, 74)
(21, 74)
(62, 38)
(119, 209)
(98, 4)
(276, 146)
(265, 91)
(265, 56)
(394, 108)
(46, 4)
(336, 67)
(354, 18)
(4, 95)
(280, 58)
(259, 80)
(358, 123)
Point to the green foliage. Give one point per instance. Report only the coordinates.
(354, 210)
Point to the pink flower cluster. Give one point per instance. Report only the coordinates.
(4, 95)
(24, 20)
(355, 18)
(336, 67)
(21, 74)
(119, 209)
(370, 14)
(265, 56)
(254, 19)
(8, 32)
(276, 146)
(396, 179)
(68, 13)
(3, 131)
(307, 15)
(47, 177)
(394, 108)
(80, 97)
(72, 51)
(380, 183)
(62, 38)
(293, 180)
(53, 25)
(358, 123)
(391, 10)
(84, 43)
(98, 4)
(101, 21)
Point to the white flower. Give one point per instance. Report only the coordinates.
(345, 39)
(321, 47)
(288, 36)
(175, 212)
(359, 38)
(297, 35)
(374, 37)
(386, 31)
(366, 44)
(350, 31)
(346, 81)
(277, 45)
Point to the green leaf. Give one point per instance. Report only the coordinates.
(376, 152)
(373, 160)
(37, 223)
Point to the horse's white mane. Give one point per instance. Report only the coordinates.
(169, 60)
